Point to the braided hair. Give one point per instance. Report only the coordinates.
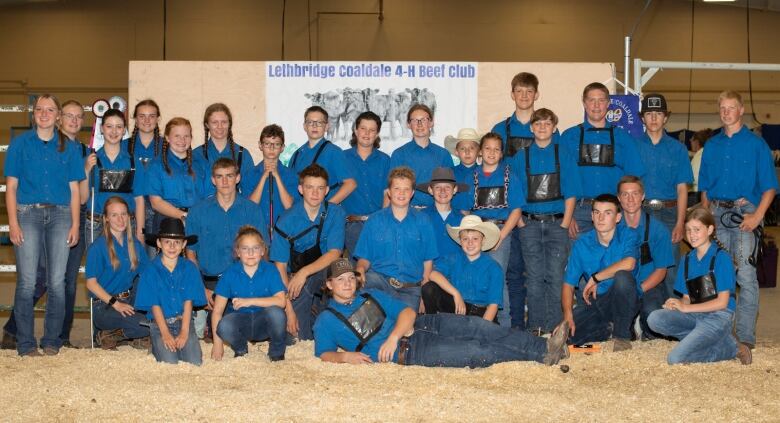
(218, 107)
(707, 219)
(157, 139)
(177, 121)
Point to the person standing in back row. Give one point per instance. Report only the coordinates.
(738, 183)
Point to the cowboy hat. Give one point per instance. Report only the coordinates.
(170, 228)
(442, 174)
(474, 223)
(465, 134)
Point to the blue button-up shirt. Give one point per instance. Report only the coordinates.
(479, 282)
(371, 177)
(99, 265)
(121, 162)
(444, 243)
(596, 180)
(217, 228)
(398, 248)
(588, 256)
(422, 161)
(236, 283)
(464, 174)
(331, 159)
(737, 166)
(43, 172)
(143, 155)
(517, 129)
(660, 242)
(725, 274)
(330, 333)
(295, 220)
(178, 188)
(169, 290)
(202, 165)
(250, 180)
(516, 193)
(666, 165)
(542, 160)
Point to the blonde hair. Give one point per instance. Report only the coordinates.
(247, 231)
(128, 231)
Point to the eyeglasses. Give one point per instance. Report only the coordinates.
(254, 249)
(69, 116)
(419, 121)
(273, 145)
(315, 123)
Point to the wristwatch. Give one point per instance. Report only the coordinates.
(593, 276)
(111, 302)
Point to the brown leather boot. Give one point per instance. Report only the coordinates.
(144, 343)
(108, 339)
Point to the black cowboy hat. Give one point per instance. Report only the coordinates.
(172, 229)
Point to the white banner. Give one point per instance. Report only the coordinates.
(389, 89)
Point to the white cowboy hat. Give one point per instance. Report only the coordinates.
(465, 134)
(474, 223)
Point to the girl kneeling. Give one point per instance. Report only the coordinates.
(703, 318)
(253, 293)
(113, 263)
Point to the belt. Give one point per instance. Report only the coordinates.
(395, 283)
(552, 217)
(660, 204)
(43, 205)
(211, 278)
(585, 201)
(403, 349)
(172, 320)
(496, 221)
(729, 204)
(357, 218)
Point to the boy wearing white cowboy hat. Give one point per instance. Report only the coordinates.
(466, 147)
(467, 282)
(443, 187)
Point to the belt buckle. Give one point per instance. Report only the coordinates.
(655, 204)
(395, 283)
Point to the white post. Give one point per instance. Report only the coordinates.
(627, 58)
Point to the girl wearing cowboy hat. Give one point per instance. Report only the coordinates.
(169, 288)
(467, 282)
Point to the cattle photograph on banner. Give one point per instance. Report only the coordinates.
(389, 89)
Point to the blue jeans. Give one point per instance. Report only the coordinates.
(351, 235)
(410, 296)
(651, 300)
(191, 352)
(71, 277)
(704, 337)
(107, 318)
(583, 214)
(740, 245)
(308, 304)
(545, 251)
(149, 226)
(450, 340)
(516, 281)
(501, 256)
(45, 233)
(611, 313)
(668, 216)
(237, 329)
